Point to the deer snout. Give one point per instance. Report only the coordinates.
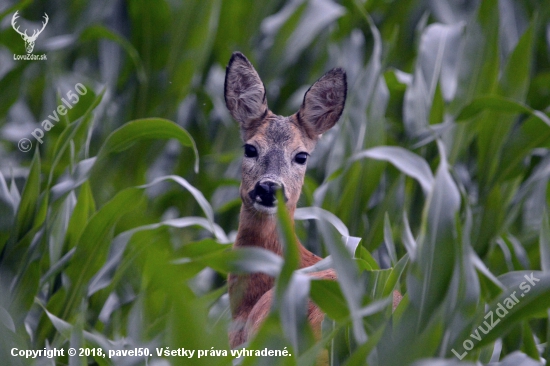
(265, 193)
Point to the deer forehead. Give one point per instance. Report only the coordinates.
(280, 133)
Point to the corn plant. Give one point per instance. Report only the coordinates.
(116, 229)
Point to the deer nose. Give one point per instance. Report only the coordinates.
(265, 193)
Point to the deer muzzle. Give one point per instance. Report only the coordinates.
(265, 193)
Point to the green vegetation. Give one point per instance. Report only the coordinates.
(115, 232)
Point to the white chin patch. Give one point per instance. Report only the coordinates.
(264, 209)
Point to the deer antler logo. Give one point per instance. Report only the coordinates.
(29, 40)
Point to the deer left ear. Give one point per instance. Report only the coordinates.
(323, 103)
(244, 91)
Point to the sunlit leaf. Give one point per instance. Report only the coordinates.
(435, 250)
(404, 160)
(308, 213)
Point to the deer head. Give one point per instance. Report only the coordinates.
(29, 40)
(276, 148)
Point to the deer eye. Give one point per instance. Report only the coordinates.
(301, 158)
(250, 151)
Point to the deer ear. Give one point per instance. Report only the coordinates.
(244, 91)
(323, 103)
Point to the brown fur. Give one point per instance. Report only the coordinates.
(277, 140)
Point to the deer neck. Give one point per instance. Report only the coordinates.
(258, 230)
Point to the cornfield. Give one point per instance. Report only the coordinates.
(120, 169)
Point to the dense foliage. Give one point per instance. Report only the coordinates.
(115, 231)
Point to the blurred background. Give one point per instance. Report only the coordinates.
(439, 165)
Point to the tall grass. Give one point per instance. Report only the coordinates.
(115, 232)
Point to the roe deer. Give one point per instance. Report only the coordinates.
(275, 155)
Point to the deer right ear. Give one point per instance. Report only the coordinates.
(244, 91)
(323, 103)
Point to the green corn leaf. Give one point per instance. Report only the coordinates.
(83, 210)
(6, 320)
(91, 250)
(532, 291)
(329, 297)
(74, 129)
(395, 275)
(388, 240)
(545, 242)
(430, 274)
(500, 104)
(404, 160)
(101, 32)
(29, 199)
(146, 129)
